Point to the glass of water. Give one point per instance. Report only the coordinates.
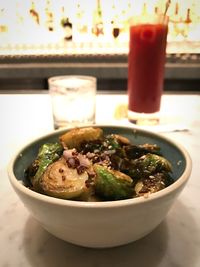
(73, 100)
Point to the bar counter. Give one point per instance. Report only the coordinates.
(24, 67)
(23, 242)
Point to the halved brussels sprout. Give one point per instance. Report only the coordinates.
(111, 184)
(155, 163)
(63, 182)
(47, 154)
(75, 137)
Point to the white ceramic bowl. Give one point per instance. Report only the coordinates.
(102, 224)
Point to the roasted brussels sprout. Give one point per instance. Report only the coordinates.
(75, 137)
(111, 184)
(144, 166)
(47, 154)
(153, 163)
(59, 180)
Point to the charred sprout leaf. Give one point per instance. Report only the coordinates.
(153, 183)
(116, 161)
(107, 143)
(91, 146)
(136, 151)
(47, 154)
(112, 142)
(61, 181)
(111, 184)
(115, 141)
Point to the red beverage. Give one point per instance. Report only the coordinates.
(146, 62)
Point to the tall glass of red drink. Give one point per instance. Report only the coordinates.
(146, 64)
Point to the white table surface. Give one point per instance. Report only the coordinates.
(23, 242)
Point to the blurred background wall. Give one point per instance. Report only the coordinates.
(43, 38)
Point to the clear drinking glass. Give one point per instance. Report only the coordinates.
(73, 100)
(146, 63)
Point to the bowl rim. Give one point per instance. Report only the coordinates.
(19, 186)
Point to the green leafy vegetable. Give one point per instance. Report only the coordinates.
(111, 184)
